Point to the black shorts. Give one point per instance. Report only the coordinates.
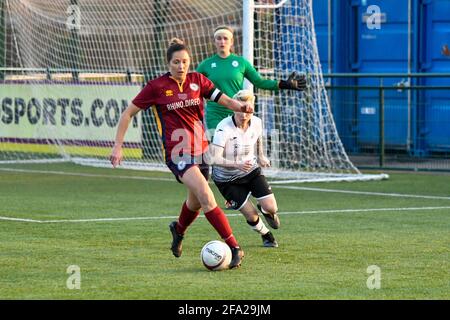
(238, 191)
(178, 169)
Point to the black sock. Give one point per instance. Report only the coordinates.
(253, 223)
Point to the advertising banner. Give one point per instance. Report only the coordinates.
(66, 111)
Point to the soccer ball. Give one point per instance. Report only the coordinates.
(216, 255)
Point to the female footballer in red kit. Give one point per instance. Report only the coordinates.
(178, 99)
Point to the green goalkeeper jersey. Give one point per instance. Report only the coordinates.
(228, 75)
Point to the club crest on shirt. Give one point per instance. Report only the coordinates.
(169, 93)
(194, 86)
(213, 65)
(235, 64)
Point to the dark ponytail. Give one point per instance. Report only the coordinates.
(174, 46)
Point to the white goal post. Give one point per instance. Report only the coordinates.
(71, 66)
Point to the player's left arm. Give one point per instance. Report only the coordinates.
(295, 81)
(263, 161)
(257, 80)
(210, 92)
(235, 105)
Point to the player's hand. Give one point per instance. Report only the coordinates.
(116, 156)
(263, 162)
(294, 82)
(247, 107)
(245, 166)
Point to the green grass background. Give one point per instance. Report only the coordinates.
(321, 255)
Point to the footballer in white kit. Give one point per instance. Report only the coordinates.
(238, 145)
(237, 155)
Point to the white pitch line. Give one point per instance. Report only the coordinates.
(228, 215)
(399, 195)
(365, 193)
(123, 219)
(365, 210)
(90, 175)
(19, 219)
(110, 219)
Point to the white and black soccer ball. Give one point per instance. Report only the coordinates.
(216, 255)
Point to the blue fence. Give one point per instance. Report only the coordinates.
(397, 37)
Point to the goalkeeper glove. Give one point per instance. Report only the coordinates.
(294, 82)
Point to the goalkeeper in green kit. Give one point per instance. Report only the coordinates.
(227, 71)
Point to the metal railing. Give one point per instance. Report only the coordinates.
(51, 73)
(382, 150)
(410, 158)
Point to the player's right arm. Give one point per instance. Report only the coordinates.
(201, 68)
(125, 118)
(145, 98)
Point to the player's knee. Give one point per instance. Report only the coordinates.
(193, 205)
(270, 208)
(206, 199)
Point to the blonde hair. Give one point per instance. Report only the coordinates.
(245, 95)
(225, 28)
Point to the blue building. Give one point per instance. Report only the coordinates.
(387, 36)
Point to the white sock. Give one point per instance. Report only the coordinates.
(260, 227)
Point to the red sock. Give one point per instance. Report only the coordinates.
(185, 219)
(219, 221)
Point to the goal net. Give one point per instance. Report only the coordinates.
(70, 67)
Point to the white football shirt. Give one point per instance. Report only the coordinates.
(239, 146)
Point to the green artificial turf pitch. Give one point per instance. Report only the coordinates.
(113, 225)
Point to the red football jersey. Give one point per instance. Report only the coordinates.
(179, 111)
